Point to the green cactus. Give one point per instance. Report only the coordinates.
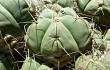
(58, 38)
(63, 3)
(86, 63)
(95, 61)
(12, 13)
(100, 40)
(31, 64)
(55, 5)
(98, 8)
(106, 40)
(97, 39)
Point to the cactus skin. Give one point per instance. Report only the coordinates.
(56, 38)
(11, 13)
(97, 8)
(31, 64)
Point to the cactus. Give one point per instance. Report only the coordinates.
(97, 39)
(63, 3)
(95, 61)
(86, 63)
(100, 40)
(11, 14)
(97, 8)
(31, 64)
(56, 38)
(106, 39)
(55, 5)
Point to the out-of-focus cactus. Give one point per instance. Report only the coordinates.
(63, 3)
(12, 13)
(96, 61)
(31, 64)
(54, 4)
(58, 37)
(97, 39)
(107, 40)
(101, 41)
(98, 8)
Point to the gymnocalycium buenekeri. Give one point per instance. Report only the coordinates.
(98, 8)
(58, 37)
(12, 13)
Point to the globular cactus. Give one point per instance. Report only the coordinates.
(12, 13)
(106, 40)
(63, 3)
(31, 64)
(95, 61)
(98, 8)
(97, 40)
(100, 40)
(55, 5)
(58, 37)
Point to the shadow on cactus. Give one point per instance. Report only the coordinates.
(4, 63)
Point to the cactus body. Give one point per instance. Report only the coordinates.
(55, 5)
(100, 41)
(56, 38)
(31, 64)
(95, 61)
(63, 3)
(12, 13)
(97, 8)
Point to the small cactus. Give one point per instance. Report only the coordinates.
(31, 64)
